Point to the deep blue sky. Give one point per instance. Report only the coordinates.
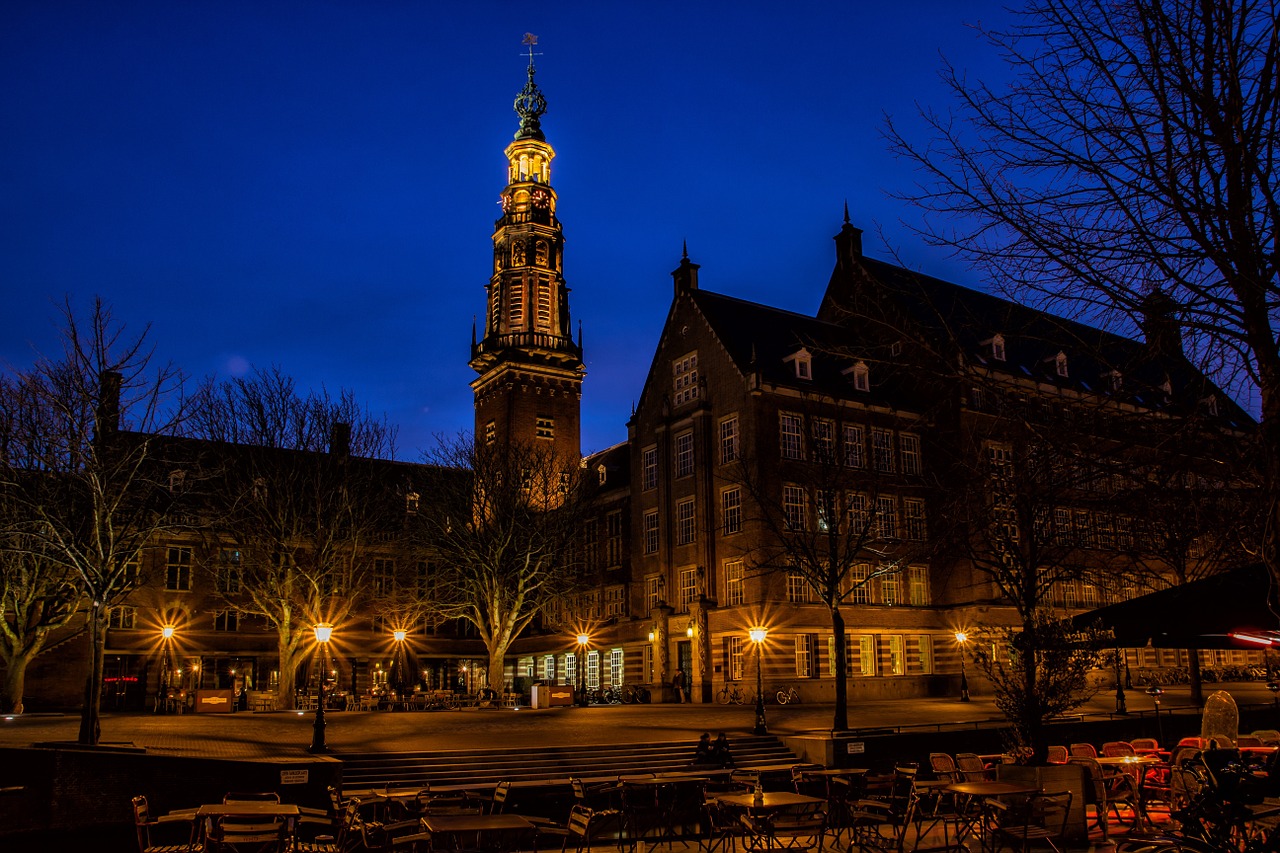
(314, 184)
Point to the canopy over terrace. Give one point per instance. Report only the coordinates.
(1232, 610)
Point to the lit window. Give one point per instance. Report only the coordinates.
(544, 427)
(897, 660)
(804, 655)
(490, 432)
(866, 654)
(924, 651)
(735, 658)
(891, 589)
(411, 502)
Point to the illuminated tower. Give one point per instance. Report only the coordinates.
(530, 383)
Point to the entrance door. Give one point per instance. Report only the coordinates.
(684, 663)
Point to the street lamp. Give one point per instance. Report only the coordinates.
(583, 639)
(961, 639)
(1274, 687)
(757, 636)
(323, 632)
(163, 702)
(1154, 692)
(1122, 705)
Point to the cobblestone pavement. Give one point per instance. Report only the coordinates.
(281, 734)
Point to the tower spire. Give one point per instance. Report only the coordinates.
(530, 103)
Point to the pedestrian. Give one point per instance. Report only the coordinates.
(677, 684)
(702, 752)
(720, 752)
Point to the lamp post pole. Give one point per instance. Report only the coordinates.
(1274, 687)
(323, 632)
(583, 640)
(166, 671)
(1122, 705)
(757, 636)
(961, 639)
(1154, 692)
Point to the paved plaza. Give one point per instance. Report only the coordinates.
(247, 735)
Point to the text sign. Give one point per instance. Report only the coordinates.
(855, 747)
(294, 777)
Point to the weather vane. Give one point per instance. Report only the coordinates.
(531, 41)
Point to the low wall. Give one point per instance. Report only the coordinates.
(70, 789)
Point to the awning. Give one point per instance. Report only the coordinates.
(1232, 610)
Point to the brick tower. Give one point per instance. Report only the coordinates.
(530, 370)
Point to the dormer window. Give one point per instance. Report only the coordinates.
(603, 473)
(1060, 364)
(803, 363)
(1116, 378)
(176, 481)
(997, 348)
(861, 376)
(411, 503)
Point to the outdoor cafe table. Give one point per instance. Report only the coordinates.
(770, 801)
(253, 809)
(450, 831)
(974, 821)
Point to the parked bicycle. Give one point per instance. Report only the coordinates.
(636, 693)
(731, 693)
(787, 693)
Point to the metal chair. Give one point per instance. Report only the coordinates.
(1107, 792)
(971, 767)
(1038, 818)
(144, 824)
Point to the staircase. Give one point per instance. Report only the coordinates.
(484, 768)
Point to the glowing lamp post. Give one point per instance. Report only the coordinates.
(324, 632)
(757, 636)
(583, 640)
(163, 702)
(1154, 692)
(961, 639)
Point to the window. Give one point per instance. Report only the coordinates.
(909, 451)
(516, 301)
(615, 667)
(824, 441)
(178, 570)
(384, 577)
(798, 589)
(859, 512)
(490, 432)
(790, 440)
(689, 590)
(571, 668)
(866, 650)
(411, 501)
(733, 585)
(684, 454)
(924, 652)
(1000, 473)
(649, 468)
(887, 517)
(997, 348)
(615, 602)
(731, 510)
(913, 519)
(859, 584)
(613, 539)
(1060, 364)
(177, 479)
(685, 528)
(544, 291)
(735, 658)
(804, 655)
(897, 660)
(861, 377)
(226, 620)
(651, 531)
(544, 427)
(729, 440)
(1117, 380)
(794, 507)
(825, 504)
(646, 661)
(228, 577)
(918, 586)
(122, 617)
(891, 589)
(804, 366)
(882, 450)
(593, 669)
(549, 668)
(854, 454)
(684, 384)
(652, 591)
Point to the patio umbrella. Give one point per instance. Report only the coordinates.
(1235, 609)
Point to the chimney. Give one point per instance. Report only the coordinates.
(848, 242)
(108, 414)
(1160, 326)
(340, 440)
(685, 275)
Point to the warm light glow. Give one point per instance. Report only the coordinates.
(757, 635)
(167, 632)
(583, 639)
(1250, 638)
(652, 635)
(962, 637)
(323, 632)
(400, 635)
(688, 632)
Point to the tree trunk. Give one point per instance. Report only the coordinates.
(15, 681)
(840, 721)
(91, 713)
(286, 686)
(496, 680)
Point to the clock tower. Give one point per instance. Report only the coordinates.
(529, 388)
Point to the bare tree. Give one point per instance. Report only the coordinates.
(1130, 160)
(302, 502)
(835, 520)
(504, 523)
(86, 464)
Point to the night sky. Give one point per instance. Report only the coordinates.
(314, 184)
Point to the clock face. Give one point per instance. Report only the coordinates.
(540, 198)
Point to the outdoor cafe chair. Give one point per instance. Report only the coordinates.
(1038, 818)
(1083, 750)
(1058, 755)
(183, 825)
(345, 828)
(1144, 745)
(1118, 749)
(880, 825)
(1269, 737)
(1108, 791)
(971, 767)
(584, 826)
(801, 827)
(944, 767)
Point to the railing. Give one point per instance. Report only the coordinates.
(531, 340)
